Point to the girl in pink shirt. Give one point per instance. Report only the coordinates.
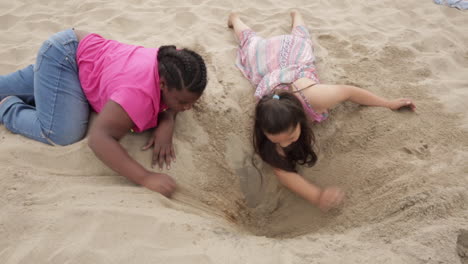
(282, 69)
(131, 87)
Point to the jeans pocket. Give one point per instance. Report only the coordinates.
(71, 56)
(41, 53)
(70, 46)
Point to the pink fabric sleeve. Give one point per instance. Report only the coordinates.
(138, 107)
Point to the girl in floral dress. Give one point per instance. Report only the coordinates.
(290, 97)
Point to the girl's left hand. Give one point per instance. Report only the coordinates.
(163, 151)
(330, 197)
(398, 104)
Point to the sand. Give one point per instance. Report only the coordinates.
(405, 174)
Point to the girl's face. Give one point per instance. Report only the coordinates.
(178, 100)
(286, 138)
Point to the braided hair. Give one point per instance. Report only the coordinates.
(182, 69)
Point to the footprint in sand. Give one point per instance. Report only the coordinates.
(421, 151)
(251, 180)
(248, 170)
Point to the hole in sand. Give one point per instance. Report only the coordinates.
(271, 210)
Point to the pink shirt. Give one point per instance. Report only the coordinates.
(125, 74)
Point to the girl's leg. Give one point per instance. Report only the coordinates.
(61, 112)
(236, 23)
(296, 19)
(298, 27)
(19, 83)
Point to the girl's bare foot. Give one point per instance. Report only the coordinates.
(296, 19)
(231, 18)
(294, 13)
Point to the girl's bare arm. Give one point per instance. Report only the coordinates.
(110, 126)
(325, 96)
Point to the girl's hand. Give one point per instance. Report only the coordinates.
(401, 103)
(163, 151)
(159, 182)
(330, 197)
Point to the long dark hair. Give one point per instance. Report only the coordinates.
(183, 69)
(274, 116)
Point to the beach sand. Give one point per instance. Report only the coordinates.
(405, 174)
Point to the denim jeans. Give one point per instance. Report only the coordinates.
(46, 102)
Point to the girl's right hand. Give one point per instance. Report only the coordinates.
(330, 197)
(159, 182)
(163, 150)
(398, 104)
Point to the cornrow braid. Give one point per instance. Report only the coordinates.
(183, 69)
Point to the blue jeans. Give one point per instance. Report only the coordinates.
(45, 100)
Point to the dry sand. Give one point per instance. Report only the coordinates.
(405, 174)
